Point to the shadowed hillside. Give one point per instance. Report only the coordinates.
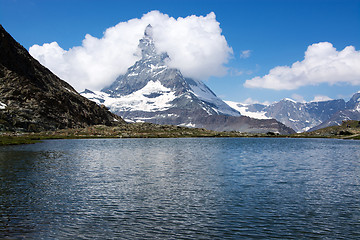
(32, 98)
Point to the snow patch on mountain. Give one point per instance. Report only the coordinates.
(293, 120)
(67, 89)
(2, 106)
(200, 90)
(189, 125)
(153, 97)
(244, 110)
(289, 100)
(305, 129)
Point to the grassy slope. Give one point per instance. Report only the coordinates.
(135, 130)
(347, 130)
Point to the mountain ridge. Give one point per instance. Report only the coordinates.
(307, 116)
(32, 98)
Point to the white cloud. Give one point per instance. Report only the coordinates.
(245, 54)
(321, 98)
(194, 44)
(298, 98)
(322, 64)
(238, 72)
(249, 101)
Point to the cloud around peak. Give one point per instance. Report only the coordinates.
(194, 44)
(321, 98)
(322, 64)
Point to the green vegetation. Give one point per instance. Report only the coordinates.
(15, 140)
(135, 130)
(348, 130)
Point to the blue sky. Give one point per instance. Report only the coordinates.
(275, 33)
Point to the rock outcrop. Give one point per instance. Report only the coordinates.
(32, 98)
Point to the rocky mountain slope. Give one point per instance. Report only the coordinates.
(151, 91)
(350, 112)
(346, 130)
(32, 98)
(304, 116)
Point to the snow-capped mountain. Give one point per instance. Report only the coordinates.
(151, 91)
(256, 111)
(304, 116)
(351, 112)
(354, 102)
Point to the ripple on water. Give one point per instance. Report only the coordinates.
(181, 188)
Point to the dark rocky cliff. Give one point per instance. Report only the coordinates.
(32, 98)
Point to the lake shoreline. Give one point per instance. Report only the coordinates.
(349, 130)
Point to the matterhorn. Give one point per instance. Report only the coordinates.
(151, 91)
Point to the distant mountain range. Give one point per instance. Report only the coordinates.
(32, 98)
(150, 91)
(304, 116)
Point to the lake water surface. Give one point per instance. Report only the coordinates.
(213, 188)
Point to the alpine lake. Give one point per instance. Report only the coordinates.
(181, 188)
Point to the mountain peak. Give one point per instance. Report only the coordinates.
(289, 100)
(147, 45)
(148, 31)
(354, 101)
(152, 91)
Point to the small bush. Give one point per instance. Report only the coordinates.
(345, 133)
